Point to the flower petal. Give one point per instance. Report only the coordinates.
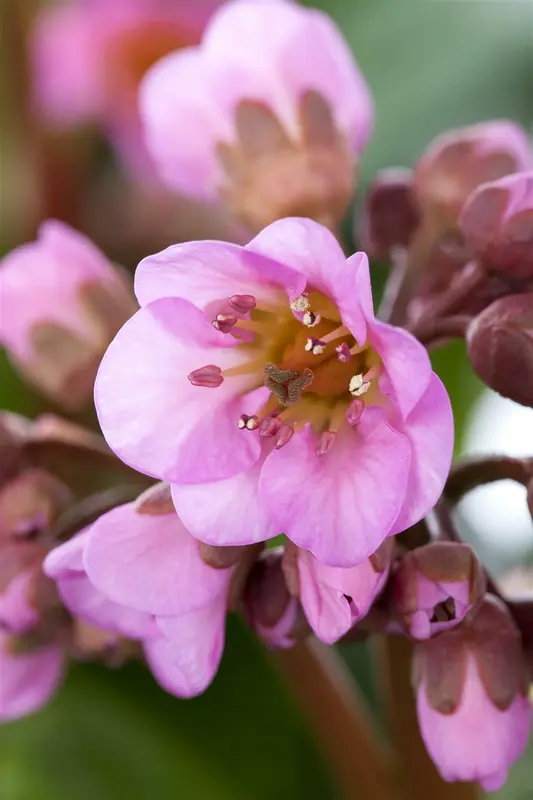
(429, 428)
(341, 505)
(27, 680)
(208, 273)
(153, 417)
(312, 250)
(150, 563)
(67, 559)
(185, 660)
(17, 615)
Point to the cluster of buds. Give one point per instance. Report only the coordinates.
(255, 386)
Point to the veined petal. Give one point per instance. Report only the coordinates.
(153, 417)
(150, 563)
(341, 505)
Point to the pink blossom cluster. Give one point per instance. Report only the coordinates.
(292, 440)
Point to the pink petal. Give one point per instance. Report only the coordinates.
(16, 613)
(429, 428)
(478, 742)
(342, 505)
(153, 417)
(27, 680)
(150, 563)
(334, 599)
(67, 559)
(227, 512)
(186, 659)
(406, 362)
(312, 250)
(208, 273)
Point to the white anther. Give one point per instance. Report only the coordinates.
(300, 303)
(358, 385)
(310, 319)
(252, 424)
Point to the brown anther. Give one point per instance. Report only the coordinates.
(296, 386)
(242, 303)
(310, 319)
(287, 384)
(248, 423)
(343, 353)
(224, 322)
(315, 346)
(209, 376)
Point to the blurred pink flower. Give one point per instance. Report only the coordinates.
(270, 113)
(345, 440)
(139, 573)
(61, 303)
(17, 615)
(27, 679)
(88, 57)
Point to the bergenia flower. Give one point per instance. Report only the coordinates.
(269, 114)
(62, 302)
(88, 56)
(138, 572)
(259, 383)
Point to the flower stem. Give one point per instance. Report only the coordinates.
(342, 725)
(478, 471)
(418, 775)
(436, 330)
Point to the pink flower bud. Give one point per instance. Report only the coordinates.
(497, 223)
(435, 586)
(29, 504)
(458, 161)
(391, 213)
(500, 347)
(62, 303)
(472, 703)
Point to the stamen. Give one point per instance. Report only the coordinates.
(358, 385)
(285, 434)
(296, 387)
(286, 384)
(224, 322)
(343, 353)
(300, 303)
(315, 346)
(354, 412)
(248, 423)
(336, 334)
(269, 426)
(310, 319)
(327, 438)
(209, 376)
(242, 303)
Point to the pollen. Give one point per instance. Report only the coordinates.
(315, 346)
(300, 303)
(310, 319)
(358, 385)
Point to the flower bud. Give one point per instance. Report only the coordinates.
(434, 587)
(497, 223)
(500, 347)
(29, 504)
(391, 213)
(62, 303)
(458, 161)
(472, 703)
(275, 616)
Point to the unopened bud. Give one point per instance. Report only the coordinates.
(271, 610)
(497, 223)
(391, 213)
(459, 161)
(500, 347)
(434, 587)
(30, 504)
(472, 703)
(62, 303)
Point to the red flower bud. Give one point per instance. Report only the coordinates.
(500, 347)
(391, 213)
(497, 223)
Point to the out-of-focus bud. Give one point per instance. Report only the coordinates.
(472, 703)
(14, 430)
(334, 599)
(497, 223)
(391, 213)
(458, 161)
(62, 303)
(272, 612)
(29, 504)
(434, 587)
(500, 347)
(272, 125)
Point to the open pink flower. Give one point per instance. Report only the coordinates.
(138, 572)
(257, 380)
(270, 113)
(88, 57)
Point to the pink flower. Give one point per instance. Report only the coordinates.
(62, 302)
(435, 586)
(258, 381)
(137, 571)
(335, 599)
(89, 56)
(17, 615)
(272, 124)
(472, 703)
(28, 679)
(497, 223)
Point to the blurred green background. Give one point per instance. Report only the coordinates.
(432, 64)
